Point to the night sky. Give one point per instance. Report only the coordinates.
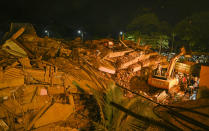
(95, 16)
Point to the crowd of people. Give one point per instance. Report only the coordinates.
(189, 84)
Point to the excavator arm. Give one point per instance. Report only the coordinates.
(173, 62)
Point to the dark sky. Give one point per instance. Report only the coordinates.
(95, 15)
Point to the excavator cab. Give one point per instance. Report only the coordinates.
(165, 81)
(162, 82)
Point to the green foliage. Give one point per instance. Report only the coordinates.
(148, 23)
(156, 40)
(193, 31)
(163, 42)
(150, 30)
(132, 35)
(145, 23)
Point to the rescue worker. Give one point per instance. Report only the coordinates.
(195, 89)
(159, 70)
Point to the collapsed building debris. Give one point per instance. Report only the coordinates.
(42, 80)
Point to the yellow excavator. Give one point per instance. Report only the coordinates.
(166, 81)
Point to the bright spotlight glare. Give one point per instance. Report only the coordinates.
(121, 33)
(79, 31)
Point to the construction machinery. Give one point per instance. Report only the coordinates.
(165, 80)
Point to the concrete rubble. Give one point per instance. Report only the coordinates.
(43, 79)
(57, 112)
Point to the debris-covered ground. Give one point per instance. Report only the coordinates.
(49, 84)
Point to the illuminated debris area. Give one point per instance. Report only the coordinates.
(47, 83)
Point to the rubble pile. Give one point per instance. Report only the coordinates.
(122, 63)
(43, 80)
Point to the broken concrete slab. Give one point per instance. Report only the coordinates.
(3, 125)
(106, 67)
(135, 67)
(48, 75)
(12, 77)
(13, 48)
(55, 90)
(57, 112)
(119, 53)
(38, 115)
(18, 33)
(127, 64)
(162, 97)
(25, 62)
(132, 58)
(107, 70)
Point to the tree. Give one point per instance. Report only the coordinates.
(193, 31)
(145, 23)
(151, 31)
(162, 42)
